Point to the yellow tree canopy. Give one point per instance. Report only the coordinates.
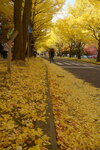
(6, 8)
(87, 17)
(43, 13)
(95, 3)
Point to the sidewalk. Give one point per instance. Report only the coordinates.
(44, 107)
(25, 107)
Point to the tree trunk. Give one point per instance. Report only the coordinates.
(71, 49)
(79, 50)
(79, 53)
(98, 56)
(26, 21)
(70, 53)
(31, 45)
(18, 43)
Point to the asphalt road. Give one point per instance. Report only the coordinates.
(88, 72)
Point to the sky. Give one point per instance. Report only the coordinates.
(68, 2)
(62, 12)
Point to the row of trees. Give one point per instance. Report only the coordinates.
(81, 26)
(36, 14)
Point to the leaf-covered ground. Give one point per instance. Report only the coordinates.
(76, 106)
(22, 105)
(23, 102)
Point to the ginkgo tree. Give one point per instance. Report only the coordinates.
(38, 14)
(63, 29)
(89, 20)
(72, 34)
(6, 18)
(92, 24)
(48, 41)
(35, 13)
(41, 21)
(81, 26)
(95, 3)
(6, 8)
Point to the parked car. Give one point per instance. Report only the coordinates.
(94, 56)
(89, 56)
(83, 56)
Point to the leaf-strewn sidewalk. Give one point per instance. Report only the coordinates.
(22, 104)
(76, 106)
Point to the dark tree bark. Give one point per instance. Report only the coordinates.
(26, 22)
(79, 50)
(21, 22)
(71, 49)
(31, 45)
(18, 43)
(98, 56)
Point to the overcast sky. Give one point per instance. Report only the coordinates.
(62, 13)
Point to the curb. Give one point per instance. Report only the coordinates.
(49, 127)
(52, 130)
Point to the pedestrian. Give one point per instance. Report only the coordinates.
(34, 53)
(5, 50)
(1, 49)
(12, 50)
(51, 54)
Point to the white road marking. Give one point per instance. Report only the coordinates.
(76, 67)
(84, 64)
(76, 64)
(79, 64)
(67, 63)
(71, 64)
(59, 63)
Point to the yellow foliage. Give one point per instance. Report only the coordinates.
(6, 7)
(42, 20)
(95, 3)
(81, 24)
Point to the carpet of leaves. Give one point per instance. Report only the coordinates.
(76, 106)
(22, 105)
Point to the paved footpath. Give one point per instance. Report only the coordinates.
(48, 127)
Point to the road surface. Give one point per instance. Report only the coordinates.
(86, 71)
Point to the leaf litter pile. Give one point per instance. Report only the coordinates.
(76, 107)
(22, 105)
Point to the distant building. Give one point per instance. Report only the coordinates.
(90, 50)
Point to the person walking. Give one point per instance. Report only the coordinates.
(5, 50)
(34, 53)
(51, 54)
(1, 49)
